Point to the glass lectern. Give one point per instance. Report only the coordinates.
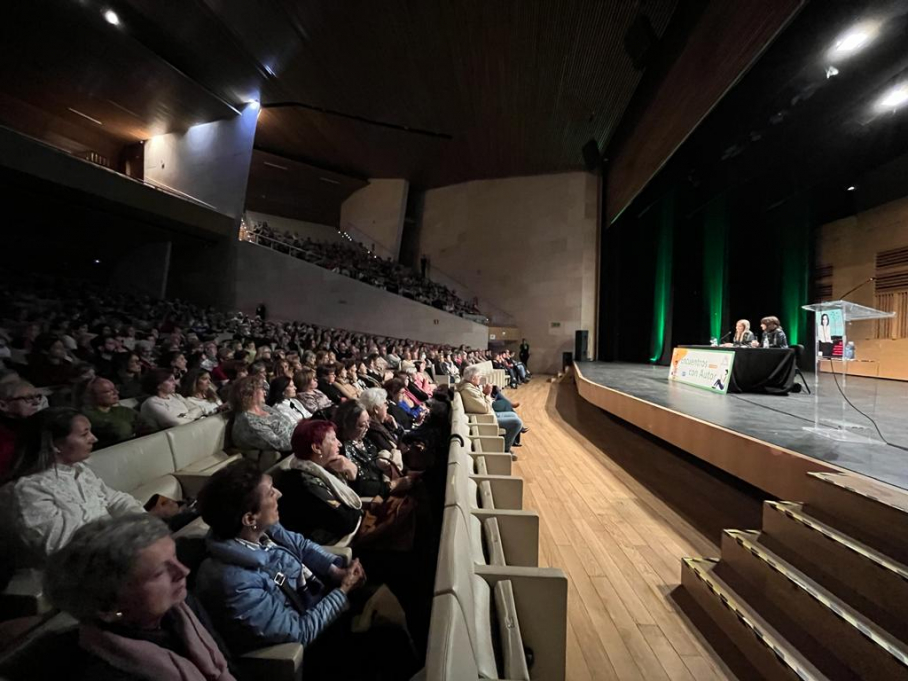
(841, 430)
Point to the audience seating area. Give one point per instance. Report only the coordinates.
(492, 602)
(354, 260)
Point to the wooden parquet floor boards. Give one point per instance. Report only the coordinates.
(613, 518)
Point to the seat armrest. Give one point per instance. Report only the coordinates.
(345, 551)
(480, 429)
(541, 598)
(519, 532)
(496, 464)
(24, 595)
(192, 483)
(488, 443)
(283, 662)
(473, 419)
(507, 491)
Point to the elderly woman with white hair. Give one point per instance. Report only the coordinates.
(121, 579)
(384, 432)
(477, 399)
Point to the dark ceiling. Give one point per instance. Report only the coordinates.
(435, 92)
(789, 129)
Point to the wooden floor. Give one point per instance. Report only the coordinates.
(618, 511)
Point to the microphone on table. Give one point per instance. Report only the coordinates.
(725, 336)
(861, 285)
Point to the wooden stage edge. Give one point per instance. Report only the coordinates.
(779, 471)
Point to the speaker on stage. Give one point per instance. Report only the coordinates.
(581, 341)
(567, 360)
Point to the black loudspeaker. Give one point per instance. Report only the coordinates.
(567, 360)
(592, 159)
(581, 341)
(639, 42)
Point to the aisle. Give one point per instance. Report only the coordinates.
(617, 513)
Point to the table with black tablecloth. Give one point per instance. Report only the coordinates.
(759, 370)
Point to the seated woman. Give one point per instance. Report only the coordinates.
(348, 388)
(405, 413)
(327, 378)
(384, 433)
(282, 396)
(316, 499)
(255, 424)
(421, 380)
(196, 387)
(176, 362)
(110, 423)
(743, 334)
(281, 367)
(263, 585)
(165, 408)
(128, 368)
(51, 492)
(773, 334)
(234, 370)
(121, 579)
(412, 394)
(49, 363)
(309, 395)
(374, 476)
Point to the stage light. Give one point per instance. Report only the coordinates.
(851, 188)
(254, 103)
(831, 71)
(894, 98)
(111, 17)
(854, 40)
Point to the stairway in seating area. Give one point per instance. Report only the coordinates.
(820, 592)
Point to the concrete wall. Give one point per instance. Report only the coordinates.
(375, 215)
(311, 230)
(296, 290)
(526, 245)
(209, 162)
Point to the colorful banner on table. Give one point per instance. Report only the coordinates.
(708, 369)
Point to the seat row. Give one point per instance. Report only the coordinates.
(495, 614)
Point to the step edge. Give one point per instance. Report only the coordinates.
(848, 542)
(835, 479)
(860, 623)
(761, 630)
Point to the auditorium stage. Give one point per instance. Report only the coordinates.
(758, 438)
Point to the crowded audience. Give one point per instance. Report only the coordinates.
(360, 419)
(351, 259)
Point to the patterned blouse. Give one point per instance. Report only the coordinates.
(270, 432)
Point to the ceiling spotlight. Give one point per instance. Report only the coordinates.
(854, 39)
(111, 17)
(831, 71)
(851, 188)
(894, 98)
(254, 103)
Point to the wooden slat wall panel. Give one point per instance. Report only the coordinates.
(725, 42)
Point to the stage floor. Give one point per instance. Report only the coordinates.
(780, 420)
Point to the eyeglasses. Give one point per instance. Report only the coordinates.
(27, 398)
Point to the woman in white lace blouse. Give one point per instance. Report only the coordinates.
(51, 492)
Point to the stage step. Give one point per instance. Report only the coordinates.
(870, 582)
(839, 641)
(874, 513)
(750, 646)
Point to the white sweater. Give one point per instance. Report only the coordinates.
(40, 512)
(166, 412)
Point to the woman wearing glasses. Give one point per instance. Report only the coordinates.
(18, 401)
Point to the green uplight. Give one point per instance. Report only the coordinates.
(663, 283)
(715, 239)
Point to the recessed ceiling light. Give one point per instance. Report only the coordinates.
(893, 98)
(854, 39)
(275, 165)
(328, 180)
(111, 17)
(851, 188)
